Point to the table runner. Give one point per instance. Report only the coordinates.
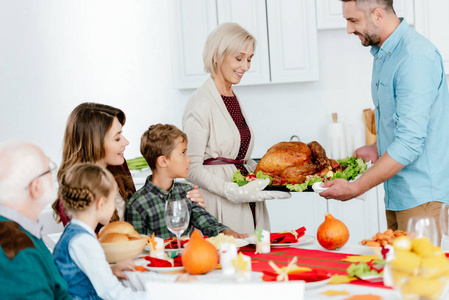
(316, 259)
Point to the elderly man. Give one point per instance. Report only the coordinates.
(410, 93)
(27, 270)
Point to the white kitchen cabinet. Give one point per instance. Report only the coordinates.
(381, 208)
(360, 216)
(293, 40)
(286, 48)
(302, 209)
(251, 15)
(191, 21)
(329, 14)
(433, 23)
(363, 218)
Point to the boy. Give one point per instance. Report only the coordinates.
(164, 148)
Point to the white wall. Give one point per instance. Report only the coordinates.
(57, 54)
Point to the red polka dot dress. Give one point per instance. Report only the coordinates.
(234, 110)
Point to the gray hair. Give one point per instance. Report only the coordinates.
(20, 162)
(227, 38)
(386, 5)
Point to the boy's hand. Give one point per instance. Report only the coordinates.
(185, 278)
(235, 234)
(127, 265)
(195, 195)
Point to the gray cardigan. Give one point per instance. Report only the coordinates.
(212, 133)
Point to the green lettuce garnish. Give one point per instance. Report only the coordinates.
(239, 178)
(303, 186)
(261, 175)
(360, 269)
(352, 168)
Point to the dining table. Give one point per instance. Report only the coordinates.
(309, 254)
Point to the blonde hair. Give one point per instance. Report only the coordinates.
(84, 183)
(158, 140)
(227, 38)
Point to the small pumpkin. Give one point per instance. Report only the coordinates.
(332, 233)
(199, 256)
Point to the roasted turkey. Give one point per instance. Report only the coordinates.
(293, 161)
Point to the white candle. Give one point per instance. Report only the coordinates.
(228, 252)
(263, 244)
(159, 248)
(245, 275)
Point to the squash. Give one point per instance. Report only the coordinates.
(199, 256)
(332, 233)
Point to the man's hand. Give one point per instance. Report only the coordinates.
(367, 153)
(195, 195)
(340, 189)
(235, 234)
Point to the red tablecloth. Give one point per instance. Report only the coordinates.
(330, 262)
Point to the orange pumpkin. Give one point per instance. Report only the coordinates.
(332, 233)
(199, 256)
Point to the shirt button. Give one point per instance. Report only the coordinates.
(377, 107)
(377, 131)
(377, 84)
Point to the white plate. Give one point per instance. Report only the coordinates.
(302, 240)
(241, 242)
(316, 284)
(166, 269)
(373, 278)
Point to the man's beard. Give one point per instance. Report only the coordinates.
(370, 40)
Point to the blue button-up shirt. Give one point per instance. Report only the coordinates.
(411, 97)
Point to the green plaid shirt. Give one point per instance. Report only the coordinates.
(145, 211)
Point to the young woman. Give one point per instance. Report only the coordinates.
(94, 134)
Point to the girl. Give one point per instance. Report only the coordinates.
(89, 192)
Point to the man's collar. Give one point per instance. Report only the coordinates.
(29, 225)
(392, 41)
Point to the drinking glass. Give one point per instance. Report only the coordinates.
(444, 226)
(423, 227)
(177, 216)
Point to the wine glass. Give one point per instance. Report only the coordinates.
(444, 226)
(423, 227)
(177, 216)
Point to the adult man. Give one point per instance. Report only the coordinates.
(410, 93)
(27, 270)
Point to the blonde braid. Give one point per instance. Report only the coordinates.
(75, 198)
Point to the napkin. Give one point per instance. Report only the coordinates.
(162, 263)
(171, 243)
(314, 275)
(287, 237)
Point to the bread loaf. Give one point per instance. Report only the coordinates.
(113, 237)
(120, 227)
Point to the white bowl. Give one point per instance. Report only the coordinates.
(116, 252)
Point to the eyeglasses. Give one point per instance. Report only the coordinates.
(52, 168)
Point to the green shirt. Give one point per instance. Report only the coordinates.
(31, 274)
(145, 211)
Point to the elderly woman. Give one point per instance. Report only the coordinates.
(220, 138)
